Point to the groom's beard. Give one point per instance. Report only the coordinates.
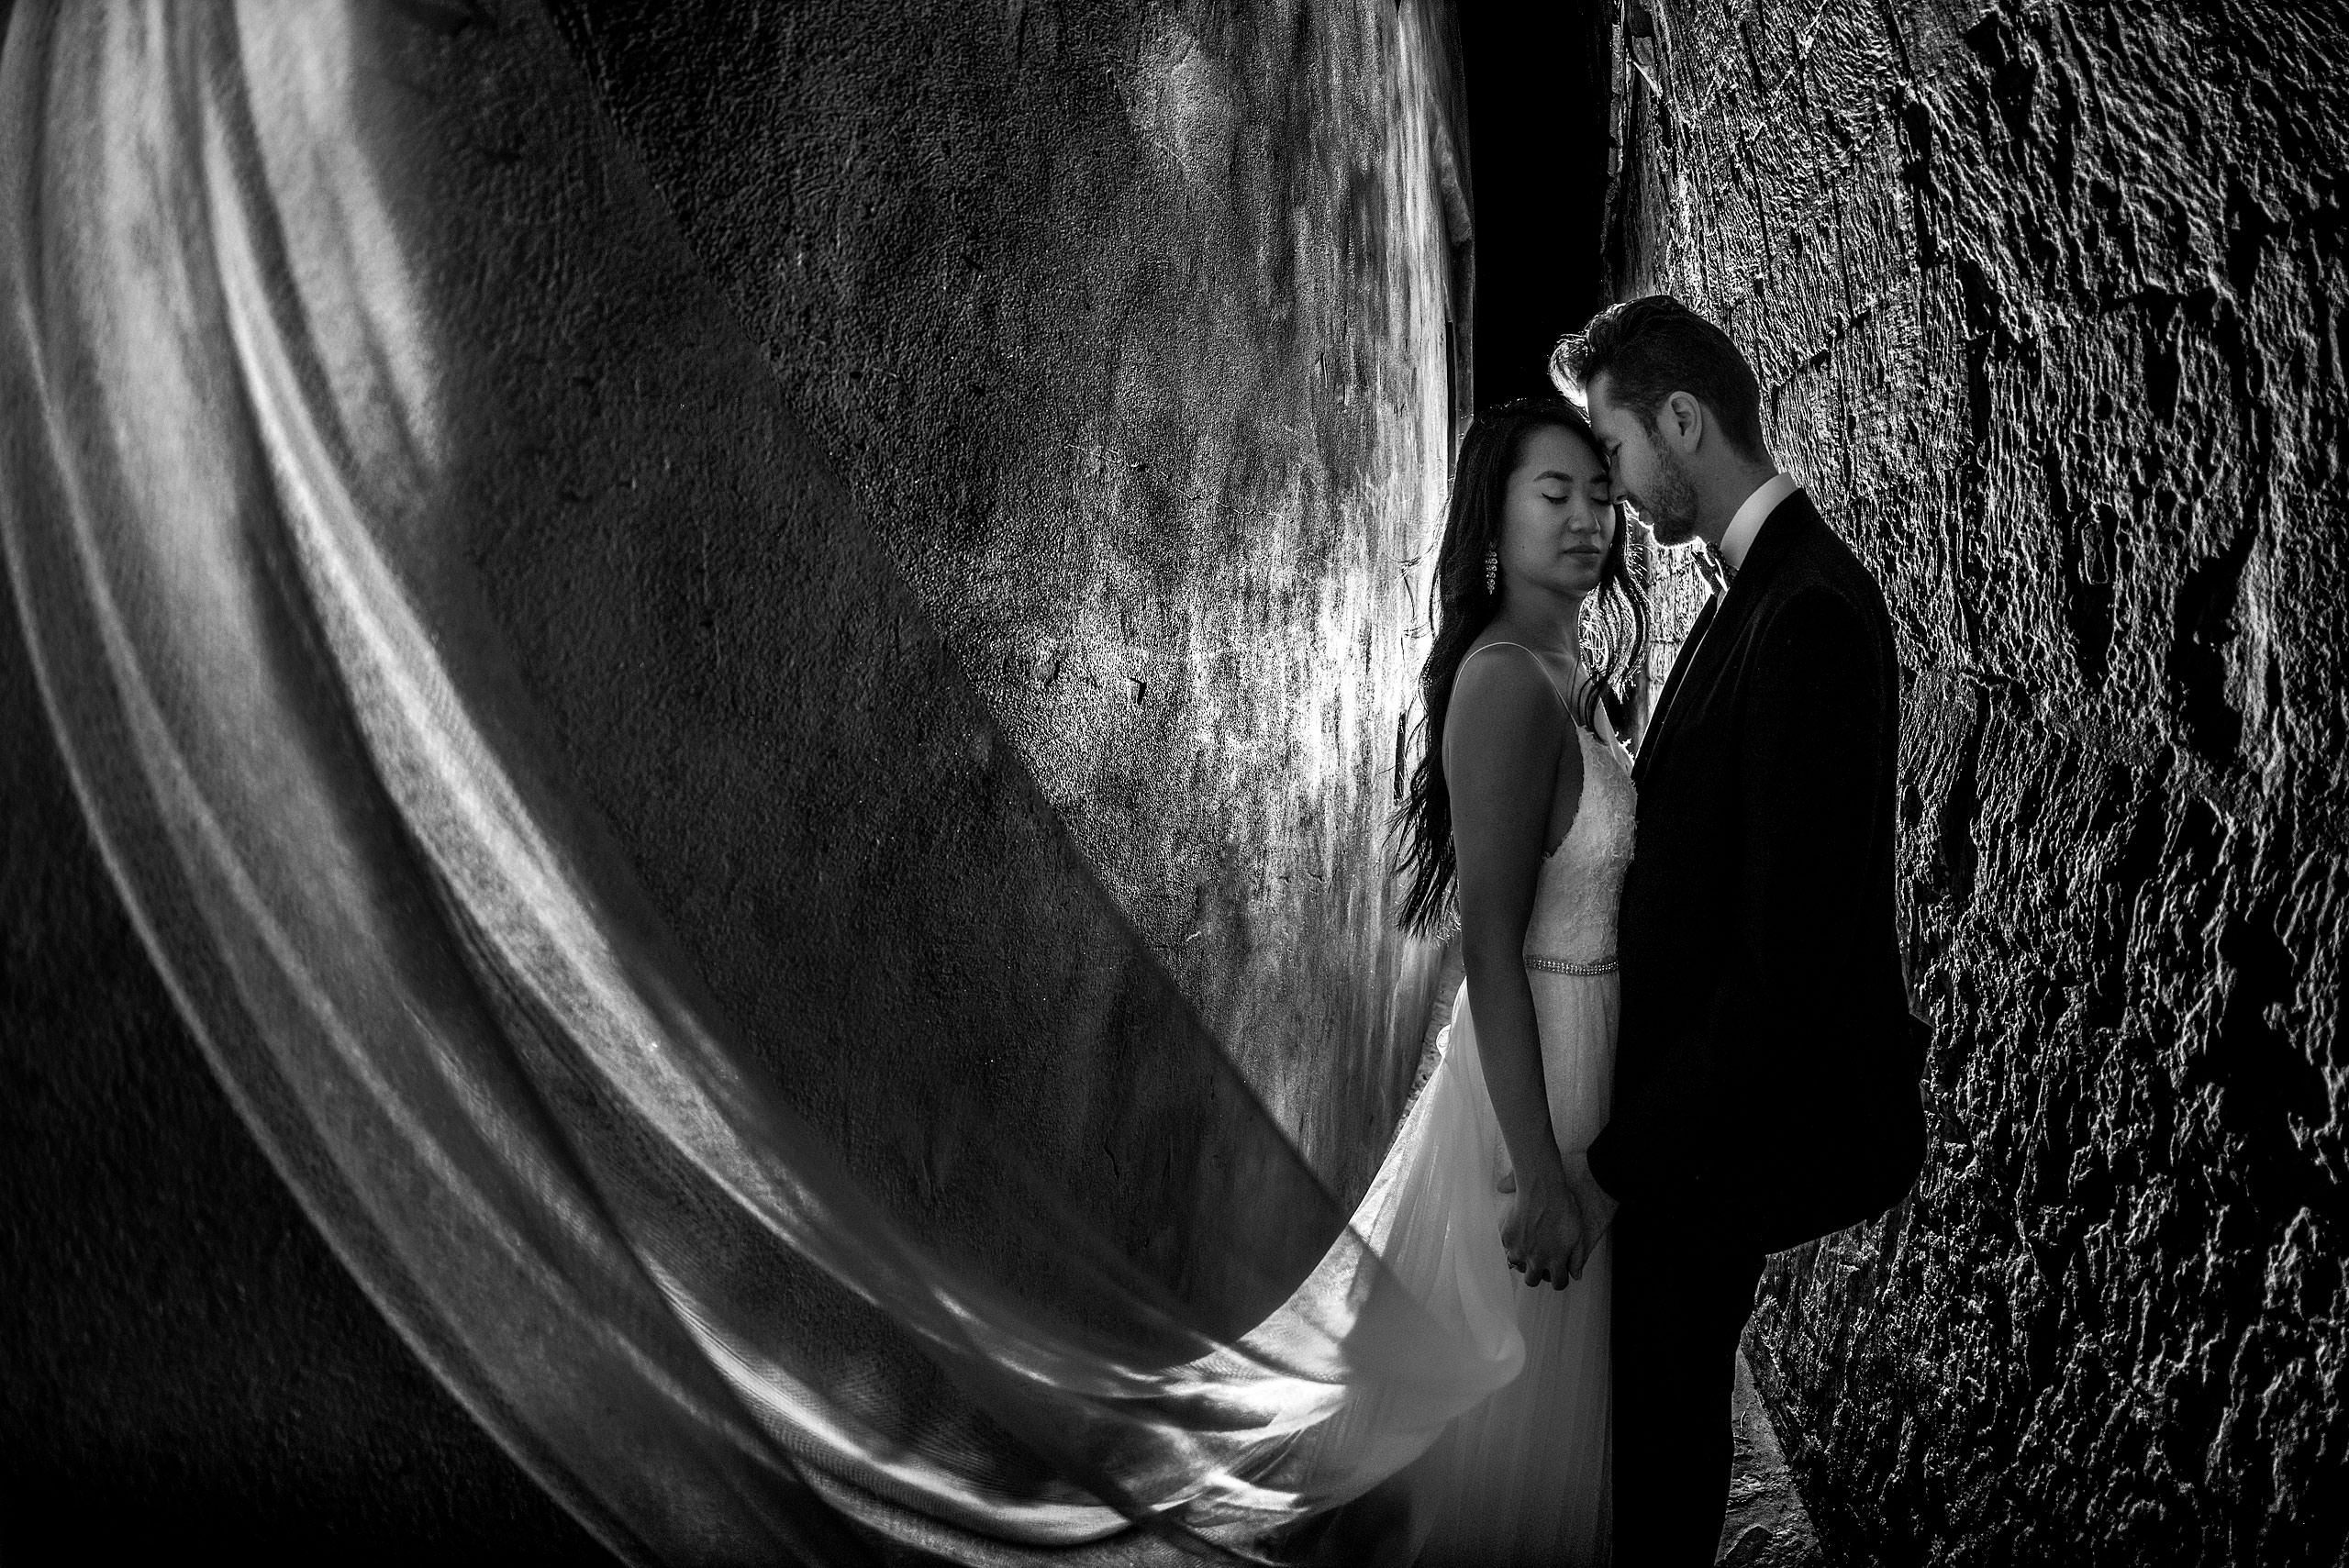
(1668, 504)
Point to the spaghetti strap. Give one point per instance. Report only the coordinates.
(1564, 705)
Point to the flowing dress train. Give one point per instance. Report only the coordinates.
(1523, 1476)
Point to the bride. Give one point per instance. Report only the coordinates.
(1520, 816)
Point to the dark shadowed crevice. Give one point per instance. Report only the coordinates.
(1538, 128)
(2197, 664)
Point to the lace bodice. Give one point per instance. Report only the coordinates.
(1571, 927)
(1581, 880)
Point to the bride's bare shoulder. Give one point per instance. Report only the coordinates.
(1504, 714)
(1502, 680)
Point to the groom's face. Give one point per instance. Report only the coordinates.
(1649, 477)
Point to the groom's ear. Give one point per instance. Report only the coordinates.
(1681, 421)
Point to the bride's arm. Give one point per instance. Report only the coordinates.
(1505, 742)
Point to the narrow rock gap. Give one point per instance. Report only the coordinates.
(1538, 92)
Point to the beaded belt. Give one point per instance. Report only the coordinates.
(1563, 966)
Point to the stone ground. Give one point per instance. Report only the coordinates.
(1767, 1526)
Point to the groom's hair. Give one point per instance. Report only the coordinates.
(1648, 349)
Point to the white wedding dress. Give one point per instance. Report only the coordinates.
(1523, 1476)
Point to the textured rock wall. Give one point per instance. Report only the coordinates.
(2047, 302)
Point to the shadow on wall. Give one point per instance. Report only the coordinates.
(1129, 339)
(2045, 305)
(1130, 347)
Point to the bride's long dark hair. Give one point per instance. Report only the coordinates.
(1614, 634)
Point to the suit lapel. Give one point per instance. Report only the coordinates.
(1687, 656)
(1707, 648)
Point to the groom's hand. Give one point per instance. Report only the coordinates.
(1594, 1212)
(1542, 1230)
(1592, 1202)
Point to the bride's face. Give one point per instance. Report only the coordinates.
(1558, 520)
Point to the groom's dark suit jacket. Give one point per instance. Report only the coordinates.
(1768, 1070)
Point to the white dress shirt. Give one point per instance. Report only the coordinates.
(1748, 520)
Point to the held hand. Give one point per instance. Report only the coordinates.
(1598, 1209)
(1542, 1230)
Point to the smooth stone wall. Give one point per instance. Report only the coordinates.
(1127, 345)
(1128, 334)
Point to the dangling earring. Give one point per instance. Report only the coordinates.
(1492, 570)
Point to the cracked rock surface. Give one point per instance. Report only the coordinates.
(2047, 303)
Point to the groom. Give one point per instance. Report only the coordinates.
(1766, 1079)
